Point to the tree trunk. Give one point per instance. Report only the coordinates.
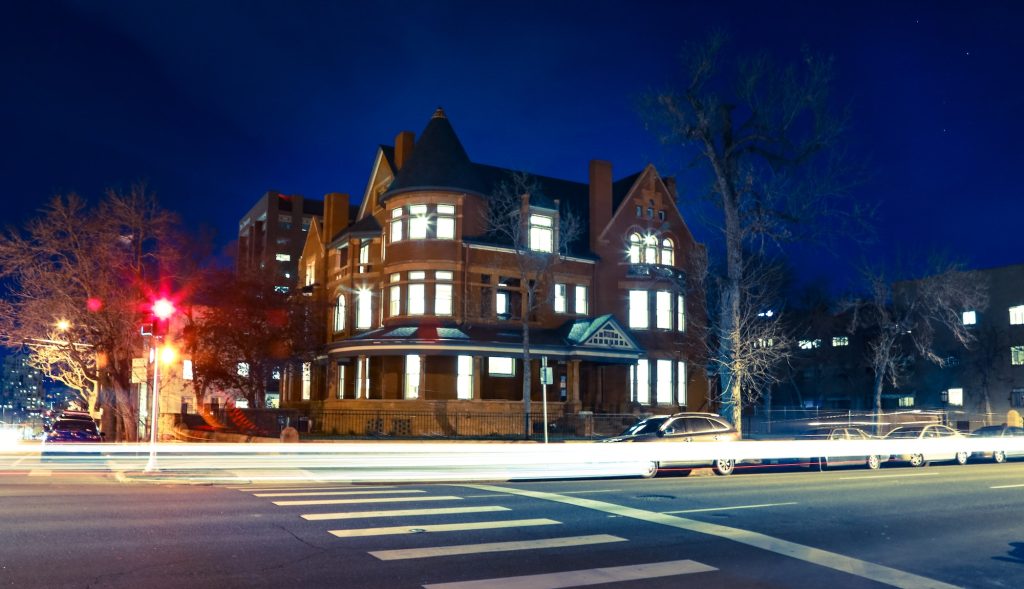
(730, 371)
(877, 400)
(527, 379)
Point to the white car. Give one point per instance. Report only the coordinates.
(922, 453)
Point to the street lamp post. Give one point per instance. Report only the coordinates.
(162, 310)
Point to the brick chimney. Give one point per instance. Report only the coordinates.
(335, 214)
(403, 148)
(600, 199)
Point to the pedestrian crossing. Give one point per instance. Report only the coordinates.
(426, 515)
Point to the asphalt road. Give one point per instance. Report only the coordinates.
(940, 526)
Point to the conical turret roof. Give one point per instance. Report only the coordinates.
(438, 160)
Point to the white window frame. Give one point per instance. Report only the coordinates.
(681, 384)
(663, 309)
(650, 252)
(542, 233)
(501, 366)
(395, 301)
(643, 381)
(443, 301)
(413, 368)
(638, 309)
(635, 242)
(339, 314)
(364, 309)
(580, 300)
(559, 298)
(663, 382)
(419, 222)
(680, 312)
(1017, 315)
(396, 225)
(668, 249)
(464, 380)
(445, 228)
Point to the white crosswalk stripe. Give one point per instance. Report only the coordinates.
(257, 489)
(417, 529)
(401, 512)
(583, 578)
(329, 493)
(366, 500)
(407, 553)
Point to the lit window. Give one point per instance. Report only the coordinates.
(412, 377)
(661, 215)
(186, 370)
(416, 304)
(281, 289)
(643, 382)
(763, 342)
(310, 273)
(559, 298)
(1017, 355)
(970, 318)
(364, 309)
(418, 222)
(681, 384)
(639, 211)
(364, 252)
(650, 250)
(680, 313)
(243, 369)
(501, 303)
(285, 221)
(442, 299)
(634, 245)
(396, 225)
(363, 378)
(501, 366)
(906, 402)
(446, 221)
(541, 233)
(339, 314)
(341, 381)
(581, 300)
(638, 309)
(464, 381)
(840, 341)
(663, 309)
(283, 257)
(954, 397)
(668, 252)
(307, 377)
(663, 394)
(1017, 315)
(395, 301)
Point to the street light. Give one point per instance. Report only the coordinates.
(162, 309)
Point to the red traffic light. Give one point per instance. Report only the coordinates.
(163, 309)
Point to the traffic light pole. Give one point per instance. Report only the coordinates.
(154, 413)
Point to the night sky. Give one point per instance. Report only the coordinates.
(215, 102)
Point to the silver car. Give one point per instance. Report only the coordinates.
(925, 432)
(998, 431)
(683, 428)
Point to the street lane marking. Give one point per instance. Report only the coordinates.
(1005, 486)
(487, 496)
(890, 476)
(417, 529)
(367, 500)
(585, 577)
(406, 553)
(593, 491)
(251, 488)
(35, 472)
(401, 512)
(321, 494)
(729, 508)
(847, 564)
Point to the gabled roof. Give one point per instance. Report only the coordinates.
(365, 227)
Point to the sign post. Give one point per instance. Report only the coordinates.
(545, 380)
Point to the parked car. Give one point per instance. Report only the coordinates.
(832, 434)
(923, 433)
(998, 431)
(683, 428)
(73, 430)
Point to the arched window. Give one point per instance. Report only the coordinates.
(668, 253)
(634, 248)
(651, 250)
(339, 314)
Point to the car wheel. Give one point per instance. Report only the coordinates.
(999, 457)
(961, 457)
(724, 466)
(823, 464)
(652, 470)
(917, 460)
(874, 462)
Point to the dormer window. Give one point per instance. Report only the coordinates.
(542, 235)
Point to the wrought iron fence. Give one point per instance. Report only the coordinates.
(378, 424)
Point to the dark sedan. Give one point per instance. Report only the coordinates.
(73, 430)
(998, 431)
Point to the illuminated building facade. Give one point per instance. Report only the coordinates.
(424, 304)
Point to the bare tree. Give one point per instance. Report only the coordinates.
(508, 220)
(902, 319)
(92, 269)
(765, 134)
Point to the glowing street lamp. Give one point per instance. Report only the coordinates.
(63, 325)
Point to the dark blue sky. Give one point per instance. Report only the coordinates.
(214, 102)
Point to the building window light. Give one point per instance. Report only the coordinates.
(442, 299)
(668, 252)
(396, 225)
(501, 366)
(283, 257)
(840, 341)
(1017, 315)
(339, 314)
(464, 381)
(634, 247)
(416, 303)
(953, 397)
(1017, 355)
(418, 222)
(446, 221)
(970, 318)
(638, 309)
(412, 376)
(307, 377)
(581, 300)
(663, 309)
(541, 233)
(364, 309)
(559, 298)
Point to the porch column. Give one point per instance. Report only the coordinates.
(478, 378)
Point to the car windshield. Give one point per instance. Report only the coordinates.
(989, 431)
(647, 426)
(905, 432)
